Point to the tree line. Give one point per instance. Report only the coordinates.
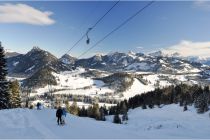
(182, 94)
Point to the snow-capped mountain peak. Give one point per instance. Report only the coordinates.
(68, 59)
(156, 53)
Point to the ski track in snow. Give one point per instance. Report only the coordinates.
(22, 126)
(167, 122)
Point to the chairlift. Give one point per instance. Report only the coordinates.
(88, 39)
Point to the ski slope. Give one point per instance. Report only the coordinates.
(167, 122)
(137, 88)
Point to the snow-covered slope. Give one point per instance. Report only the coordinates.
(137, 88)
(167, 122)
(78, 83)
(70, 82)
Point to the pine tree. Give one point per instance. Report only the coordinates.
(124, 108)
(105, 110)
(67, 106)
(74, 108)
(4, 87)
(102, 114)
(124, 111)
(15, 101)
(185, 107)
(201, 103)
(117, 119)
(144, 106)
(151, 105)
(83, 112)
(125, 116)
(90, 112)
(96, 112)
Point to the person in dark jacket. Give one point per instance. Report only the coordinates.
(38, 105)
(59, 113)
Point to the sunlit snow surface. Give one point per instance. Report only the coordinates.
(167, 122)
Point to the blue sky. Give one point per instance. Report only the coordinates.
(56, 26)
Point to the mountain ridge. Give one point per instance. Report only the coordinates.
(37, 62)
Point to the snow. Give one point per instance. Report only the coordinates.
(10, 78)
(153, 78)
(103, 63)
(65, 61)
(86, 105)
(24, 123)
(139, 66)
(29, 69)
(140, 58)
(175, 61)
(162, 61)
(15, 63)
(142, 72)
(181, 78)
(195, 70)
(9, 51)
(168, 122)
(132, 54)
(72, 83)
(137, 88)
(188, 68)
(164, 83)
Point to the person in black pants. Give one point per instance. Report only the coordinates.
(59, 113)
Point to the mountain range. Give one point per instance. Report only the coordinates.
(37, 62)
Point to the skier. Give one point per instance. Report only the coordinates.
(63, 115)
(38, 105)
(59, 113)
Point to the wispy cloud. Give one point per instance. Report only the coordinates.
(139, 47)
(22, 13)
(189, 48)
(202, 4)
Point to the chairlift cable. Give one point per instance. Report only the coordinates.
(83, 36)
(118, 27)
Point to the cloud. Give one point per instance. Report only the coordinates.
(188, 48)
(202, 4)
(140, 47)
(22, 13)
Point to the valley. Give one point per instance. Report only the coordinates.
(106, 79)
